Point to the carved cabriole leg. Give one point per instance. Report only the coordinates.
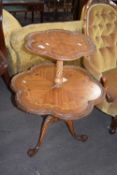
(47, 121)
(113, 125)
(71, 129)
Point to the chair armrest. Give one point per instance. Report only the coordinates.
(91, 68)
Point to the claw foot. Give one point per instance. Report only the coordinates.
(82, 138)
(112, 131)
(31, 152)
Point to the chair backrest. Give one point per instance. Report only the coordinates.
(100, 23)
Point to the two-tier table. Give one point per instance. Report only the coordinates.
(55, 91)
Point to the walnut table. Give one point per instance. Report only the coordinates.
(57, 92)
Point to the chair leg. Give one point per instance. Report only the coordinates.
(46, 122)
(32, 16)
(25, 15)
(71, 129)
(113, 125)
(41, 16)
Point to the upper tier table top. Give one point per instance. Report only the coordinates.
(59, 44)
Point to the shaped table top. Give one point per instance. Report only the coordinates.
(35, 92)
(59, 44)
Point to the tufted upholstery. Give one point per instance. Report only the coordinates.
(19, 58)
(101, 26)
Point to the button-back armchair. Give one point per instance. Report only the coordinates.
(19, 59)
(100, 23)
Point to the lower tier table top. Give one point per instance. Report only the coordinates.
(36, 93)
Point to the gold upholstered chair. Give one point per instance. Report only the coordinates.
(100, 23)
(9, 25)
(19, 59)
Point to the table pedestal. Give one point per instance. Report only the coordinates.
(50, 120)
